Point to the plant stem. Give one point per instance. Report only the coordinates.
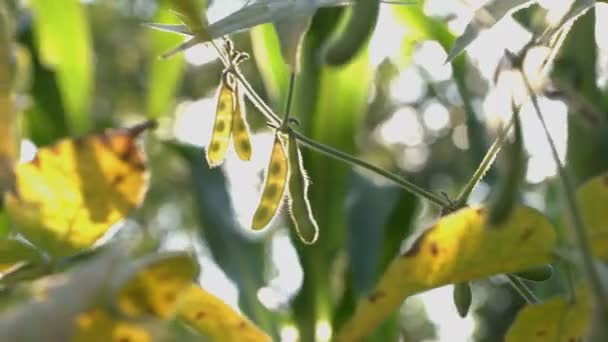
(483, 167)
(411, 187)
(522, 289)
(578, 225)
(292, 84)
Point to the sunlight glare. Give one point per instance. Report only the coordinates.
(379, 47)
(201, 54)
(440, 310)
(323, 331)
(194, 121)
(435, 116)
(27, 151)
(408, 87)
(289, 333)
(431, 57)
(403, 127)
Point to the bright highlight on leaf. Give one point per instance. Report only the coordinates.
(301, 213)
(459, 248)
(553, 320)
(593, 197)
(214, 318)
(71, 193)
(276, 177)
(154, 285)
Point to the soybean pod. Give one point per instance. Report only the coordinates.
(274, 187)
(299, 206)
(240, 131)
(222, 127)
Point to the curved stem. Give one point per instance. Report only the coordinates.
(522, 289)
(578, 225)
(411, 187)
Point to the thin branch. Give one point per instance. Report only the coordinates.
(484, 166)
(411, 187)
(292, 84)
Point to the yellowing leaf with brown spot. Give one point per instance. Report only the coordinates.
(98, 326)
(214, 318)
(71, 193)
(153, 285)
(554, 320)
(460, 247)
(593, 197)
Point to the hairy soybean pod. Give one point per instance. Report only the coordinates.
(300, 210)
(462, 298)
(240, 131)
(220, 138)
(505, 196)
(540, 273)
(355, 35)
(276, 177)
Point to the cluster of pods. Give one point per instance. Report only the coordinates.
(285, 167)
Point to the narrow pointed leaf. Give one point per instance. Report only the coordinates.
(593, 198)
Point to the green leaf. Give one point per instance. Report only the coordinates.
(165, 75)
(460, 247)
(13, 252)
(484, 18)
(64, 43)
(554, 320)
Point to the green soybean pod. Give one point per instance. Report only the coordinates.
(355, 35)
(299, 206)
(540, 273)
(462, 298)
(507, 189)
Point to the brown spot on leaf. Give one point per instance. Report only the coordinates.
(170, 297)
(605, 180)
(480, 211)
(242, 325)
(119, 178)
(415, 248)
(374, 296)
(541, 333)
(527, 233)
(199, 315)
(55, 149)
(124, 339)
(434, 248)
(36, 161)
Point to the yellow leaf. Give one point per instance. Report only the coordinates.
(460, 247)
(154, 285)
(71, 193)
(98, 326)
(554, 320)
(593, 197)
(276, 177)
(214, 318)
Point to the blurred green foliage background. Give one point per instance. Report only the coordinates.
(83, 66)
